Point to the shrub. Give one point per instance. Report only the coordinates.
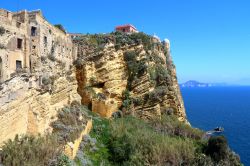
(134, 142)
(77, 63)
(126, 100)
(142, 38)
(59, 26)
(157, 94)
(2, 30)
(217, 148)
(2, 46)
(46, 81)
(160, 74)
(29, 150)
(69, 125)
(51, 57)
(135, 68)
(63, 160)
(165, 141)
(170, 125)
(43, 58)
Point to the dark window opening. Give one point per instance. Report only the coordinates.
(18, 24)
(124, 30)
(33, 31)
(0, 68)
(18, 65)
(99, 85)
(45, 41)
(19, 43)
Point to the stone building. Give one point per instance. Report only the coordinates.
(26, 38)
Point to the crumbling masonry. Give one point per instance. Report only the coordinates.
(26, 38)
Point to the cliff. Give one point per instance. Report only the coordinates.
(132, 73)
(129, 78)
(28, 108)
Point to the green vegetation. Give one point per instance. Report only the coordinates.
(120, 39)
(29, 150)
(165, 141)
(47, 150)
(136, 68)
(60, 26)
(68, 126)
(2, 30)
(2, 46)
(51, 57)
(121, 141)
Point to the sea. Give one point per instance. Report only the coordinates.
(228, 107)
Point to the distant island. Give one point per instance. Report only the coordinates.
(193, 83)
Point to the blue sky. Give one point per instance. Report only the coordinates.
(210, 39)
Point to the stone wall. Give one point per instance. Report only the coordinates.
(31, 96)
(28, 37)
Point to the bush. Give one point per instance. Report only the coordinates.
(142, 38)
(126, 100)
(59, 26)
(134, 142)
(69, 125)
(159, 74)
(77, 63)
(170, 125)
(2, 46)
(130, 141)
(46, 81)
(28, 150)
(51, 57)
(217, 148)
(135, 68)
(2, 30)
(43, 58)
(63, 160)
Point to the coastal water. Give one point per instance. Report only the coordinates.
(228, 107)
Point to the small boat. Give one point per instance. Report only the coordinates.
(219, 129)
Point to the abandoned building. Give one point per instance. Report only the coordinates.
(25, 38)
(128, 28)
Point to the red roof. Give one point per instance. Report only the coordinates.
(125, 26)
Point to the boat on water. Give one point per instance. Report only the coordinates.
(218, 129)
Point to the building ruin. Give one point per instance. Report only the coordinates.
(26, 38)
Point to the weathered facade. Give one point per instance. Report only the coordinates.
(37, 77)
(27, 38)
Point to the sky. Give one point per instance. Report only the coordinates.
(210, 39)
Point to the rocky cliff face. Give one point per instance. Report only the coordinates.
(28, 103)
(131, 73)
(115, 74)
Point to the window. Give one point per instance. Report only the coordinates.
(45, 41)
(19, 43)
(0, 68)
(124, 30)
(33, 31)
(18, 24)
(18, 65)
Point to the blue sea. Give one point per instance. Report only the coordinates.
(228, 107)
